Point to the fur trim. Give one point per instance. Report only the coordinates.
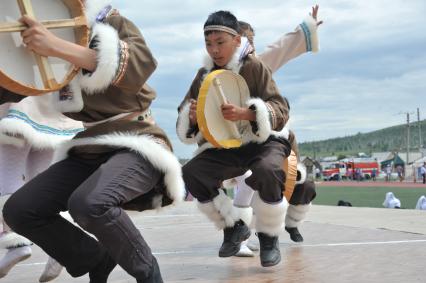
(183, 125)
(224, 204)
(246, 214)
(296, 214)
(284, 133)
(93, 7)
(209, 210)
(301, 171)
(309, 28)
(12, 240)
(73, 105)
(222, 213)
(9, 140)
(108, 57)
(234, 65)
(269, 217)
(38, 140)
(262, 120)
(160, 157)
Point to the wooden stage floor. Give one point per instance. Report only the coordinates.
(342, 244)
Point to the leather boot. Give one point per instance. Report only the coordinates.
(232, 239)
(270, 254)
(295, 235)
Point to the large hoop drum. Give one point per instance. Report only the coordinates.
(218, 87)
(29, 74)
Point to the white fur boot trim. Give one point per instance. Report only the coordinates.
(222, 212)
(296, 214)
(269, 217)
(10, 240)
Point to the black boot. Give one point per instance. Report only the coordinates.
(155, 276)
(100, 273)
(233, 237)
(295, 235)
(270, 254)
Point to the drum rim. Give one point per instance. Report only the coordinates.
(27, 90)
(290, 168)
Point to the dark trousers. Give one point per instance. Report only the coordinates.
(204, 174)
(424, 178)
(93, 191)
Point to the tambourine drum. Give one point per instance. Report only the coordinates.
(218, 87)
(27, 73)
(290, 168)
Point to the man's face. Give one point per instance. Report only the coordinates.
(221, 46)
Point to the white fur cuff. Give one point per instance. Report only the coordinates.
(296, 214)
(108, 59)
(12, 240)
(262, 119)
(269, 217)
(309, 27)
(183, 126)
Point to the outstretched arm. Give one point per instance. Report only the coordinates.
(291, 45)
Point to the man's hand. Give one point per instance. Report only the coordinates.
(232, 112)
(37, 38)
(314, 14)
(193, 112)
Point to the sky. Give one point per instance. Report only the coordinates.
(369, 72)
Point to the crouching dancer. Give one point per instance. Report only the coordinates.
(122, 160)
(262, 152)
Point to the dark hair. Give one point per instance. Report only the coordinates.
(243, 26)
(221, 18)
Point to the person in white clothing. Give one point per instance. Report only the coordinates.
(391, 201)
(421, 203)
(30, 131)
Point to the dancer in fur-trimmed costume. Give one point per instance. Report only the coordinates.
(30, 130)
(262, 152)
(289, 46)
(122, 160)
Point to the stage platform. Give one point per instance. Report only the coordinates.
(342, 244)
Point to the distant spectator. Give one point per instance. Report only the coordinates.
(421, 203)
(358, 174)
(344, 203)
(400, 172)
(374, 174)
(388, 172)
(391, 201)
(423, 172)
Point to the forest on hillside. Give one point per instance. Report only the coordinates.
(388, 139)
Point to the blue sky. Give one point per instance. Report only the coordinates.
(370, 69)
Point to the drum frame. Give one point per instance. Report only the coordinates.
(82, 33)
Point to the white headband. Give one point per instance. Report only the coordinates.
(221, 28)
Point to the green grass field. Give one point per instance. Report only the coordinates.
(367, 196)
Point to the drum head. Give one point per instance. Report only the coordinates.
(219, 132)
(19, 71)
